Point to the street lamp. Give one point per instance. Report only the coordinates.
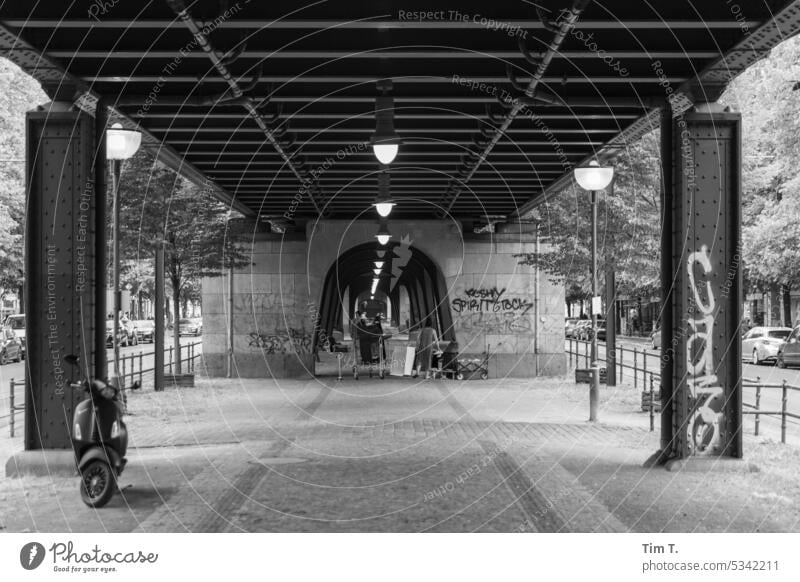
(594, 177)
(121, 144)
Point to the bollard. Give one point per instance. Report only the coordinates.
(652, 407)
(621, 363)
(124, 359)
(635, 358)
(11, 408)
(785, 393)
(170, 359)
(758, 406)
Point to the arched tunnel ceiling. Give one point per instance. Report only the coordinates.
(261, 98)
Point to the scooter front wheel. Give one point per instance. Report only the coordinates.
(98, 483)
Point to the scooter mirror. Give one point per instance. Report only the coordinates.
(136, 385)
(71, 359)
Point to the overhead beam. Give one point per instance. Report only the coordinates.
(375, 24)
(236, 91)
(454, 54)
(371, 80)
(706, 86)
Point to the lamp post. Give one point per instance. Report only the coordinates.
(594, 177)
(121, 144)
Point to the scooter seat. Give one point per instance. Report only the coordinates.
(99, 385)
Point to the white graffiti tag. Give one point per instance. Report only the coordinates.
(705, 394)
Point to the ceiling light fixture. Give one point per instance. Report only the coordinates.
(383, 202)
(385, 141)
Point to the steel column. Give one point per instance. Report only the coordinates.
(60, 270)
(706, 378)
(667, 346)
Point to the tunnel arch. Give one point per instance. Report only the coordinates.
(405, 267)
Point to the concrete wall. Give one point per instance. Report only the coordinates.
(494, 304)
(272, 319)
(492, 298)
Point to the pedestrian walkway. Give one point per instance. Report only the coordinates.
(404, 455)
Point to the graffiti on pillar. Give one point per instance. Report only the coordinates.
(508, 323)
(296, 341)
(402, 256)
(491, 300)
(706, 396)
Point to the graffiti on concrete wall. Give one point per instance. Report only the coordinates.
(297, 341)
(706, 396)
(402, 253)
(491, 300)
(508, 323)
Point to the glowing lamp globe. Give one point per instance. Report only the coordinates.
(121, 143)
(594, 176)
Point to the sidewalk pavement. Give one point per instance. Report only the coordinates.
(406, 455)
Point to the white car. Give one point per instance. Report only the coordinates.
(761, 344)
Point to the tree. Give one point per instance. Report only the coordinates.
(18, 94)
(767, 96)
(629, 226)
(158, 205)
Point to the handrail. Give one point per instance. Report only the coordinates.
(641, 356)
(188, 354)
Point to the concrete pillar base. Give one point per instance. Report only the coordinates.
(42, 463)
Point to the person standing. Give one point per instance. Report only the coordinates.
(428, 339)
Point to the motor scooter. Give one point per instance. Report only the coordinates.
(99, 438)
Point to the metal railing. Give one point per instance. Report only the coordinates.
(650, 379)
(13, 405)
(641, 375)
(131, 369)
(755, 409)
(129, 372)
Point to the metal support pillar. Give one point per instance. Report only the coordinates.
(705, 277)
(99, 166)
(611, 328)
(62, 226)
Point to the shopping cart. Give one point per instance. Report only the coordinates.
(370, 354)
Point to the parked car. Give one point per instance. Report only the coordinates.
(789, 351)
(761, 344)
(145, 330)
(190, 327)
(17, 323)
(601, 330)
(10, 346)
(655, 338)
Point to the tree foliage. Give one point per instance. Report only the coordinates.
(158, 205)
(628, 227)
(769, 105)
(18, 94)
